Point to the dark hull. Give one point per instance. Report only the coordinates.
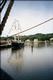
(16, 45)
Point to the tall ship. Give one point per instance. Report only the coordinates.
(17, 44)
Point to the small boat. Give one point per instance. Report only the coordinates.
(5, 44)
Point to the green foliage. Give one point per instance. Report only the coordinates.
(39, 36)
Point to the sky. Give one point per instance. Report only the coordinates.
(28, 14)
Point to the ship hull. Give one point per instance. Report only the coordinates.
(16, 45)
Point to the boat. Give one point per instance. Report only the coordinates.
(16, 44)
(4, 44)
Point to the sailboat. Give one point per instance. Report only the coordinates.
(16, 44)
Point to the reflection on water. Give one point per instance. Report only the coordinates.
(16, 58)
(28, 60)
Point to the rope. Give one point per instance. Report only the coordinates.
(34, 26)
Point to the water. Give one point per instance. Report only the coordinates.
(33, 62)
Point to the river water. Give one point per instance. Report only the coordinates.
(33, 62)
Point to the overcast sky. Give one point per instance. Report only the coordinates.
(29, 14)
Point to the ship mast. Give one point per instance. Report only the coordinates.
(18, 31)
(17, 26)
(15, 35)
